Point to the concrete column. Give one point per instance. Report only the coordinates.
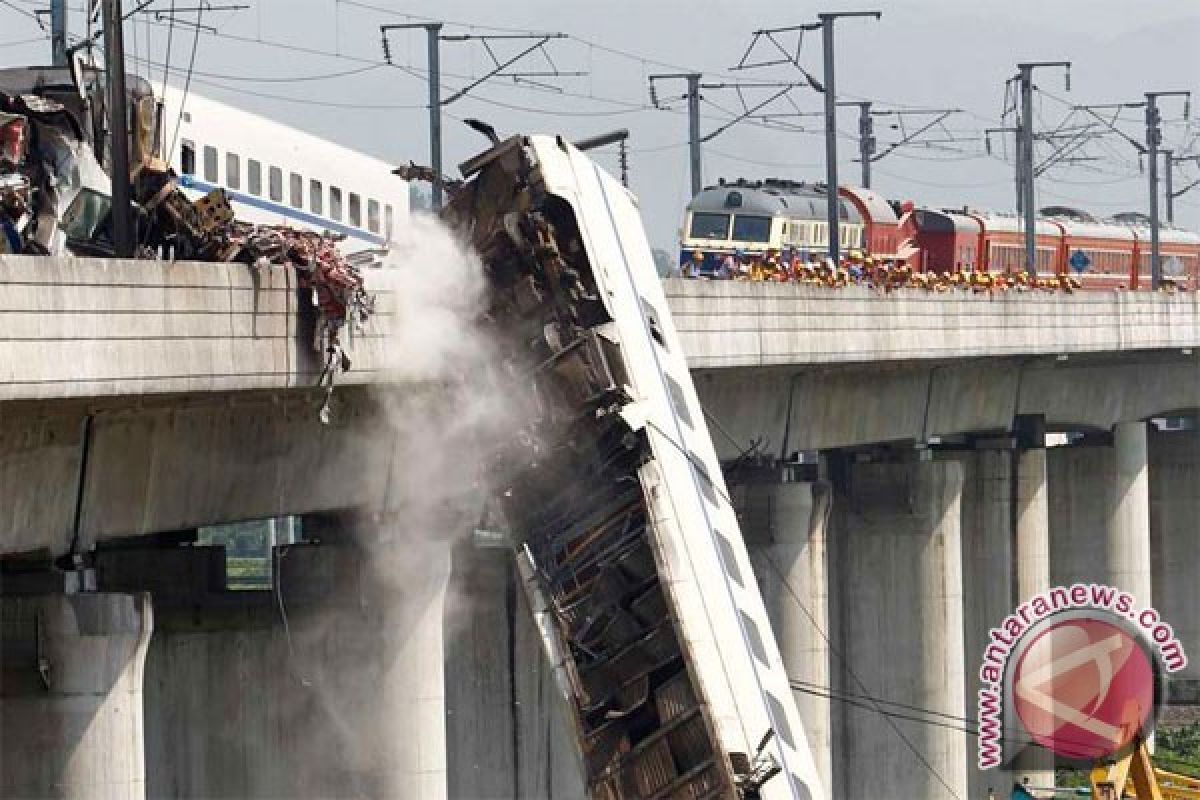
(508, 730)
(784, 525)
(71, 720)
(1175, 540)
(330, 687)
(899, 618)
(987, 558)
(1032, 572)
(1128, 532)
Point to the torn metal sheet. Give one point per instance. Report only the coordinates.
(627, 543)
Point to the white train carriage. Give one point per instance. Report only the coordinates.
(277, 175)
(623, 499)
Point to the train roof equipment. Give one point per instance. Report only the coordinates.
(771, 196)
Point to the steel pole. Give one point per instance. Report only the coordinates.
(1029, 206)
(1169, 185)
(693, 94)
(866, 141)
(58, 32)
(831, 165)
(434, 31)
(118, 126)
(1152, 141)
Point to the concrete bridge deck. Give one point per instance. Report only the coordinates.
(81, 328)
(738, 324)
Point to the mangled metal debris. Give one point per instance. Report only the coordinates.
(613, 496)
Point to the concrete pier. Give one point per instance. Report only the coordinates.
(785, 526)
(1100, 513)
(71, 719)
(508, 730)
(330, 686)
(899, 623)
(1175, 540)
(1128, 531)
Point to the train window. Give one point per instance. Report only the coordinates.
(233, 171)
(388, 220)
(728, 559)
(316, 199)
(187, 158)
(254, 177)
(275, 183)
(652, 321)
(335, 203)
(706, 225)
(373, 216)
(355, 210)
(751, 229)
(296, 190)
(755, 636)
(678, 403)
(210, 164)
(779, 718)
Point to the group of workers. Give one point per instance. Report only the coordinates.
(859, 269)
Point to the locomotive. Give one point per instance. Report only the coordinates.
(756, 218)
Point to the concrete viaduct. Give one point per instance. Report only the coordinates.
(890, 455)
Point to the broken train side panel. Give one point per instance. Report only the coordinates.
(614, 492)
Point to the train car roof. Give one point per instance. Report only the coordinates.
(946, 221)
(878, 208)
(797, 200)
(1015, 224)
(1096, 230)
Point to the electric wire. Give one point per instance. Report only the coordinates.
(187, 85)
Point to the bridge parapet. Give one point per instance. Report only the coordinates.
(739, 324)
(72, 327)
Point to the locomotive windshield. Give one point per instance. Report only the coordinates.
(709, 226)
(751, 229)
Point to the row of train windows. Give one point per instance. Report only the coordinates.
(353, 210)
(799, 233)
(725, 551)
(1012, 257)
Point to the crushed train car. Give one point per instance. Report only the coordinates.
(628, 545)
(56, 198)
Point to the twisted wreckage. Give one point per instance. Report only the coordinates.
(613, 495)
(56, 198)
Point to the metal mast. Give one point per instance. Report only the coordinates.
(831, 166)
(1153, 140)
(118, 126)
(1025, 154)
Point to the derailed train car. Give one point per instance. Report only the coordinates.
(628, 545)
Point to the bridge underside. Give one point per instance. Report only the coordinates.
(790, 409)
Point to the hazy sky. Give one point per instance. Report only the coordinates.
(923, 53)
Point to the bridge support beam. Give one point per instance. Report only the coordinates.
(899, 618)
(71, 719)
(785, 527)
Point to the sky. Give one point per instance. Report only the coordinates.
(289, 59)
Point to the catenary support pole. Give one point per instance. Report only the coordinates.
(1169, 184)
(118, 125)
(833, 214)
(58, 32)
(433, 31)
(1025, 151)
(693, 95)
